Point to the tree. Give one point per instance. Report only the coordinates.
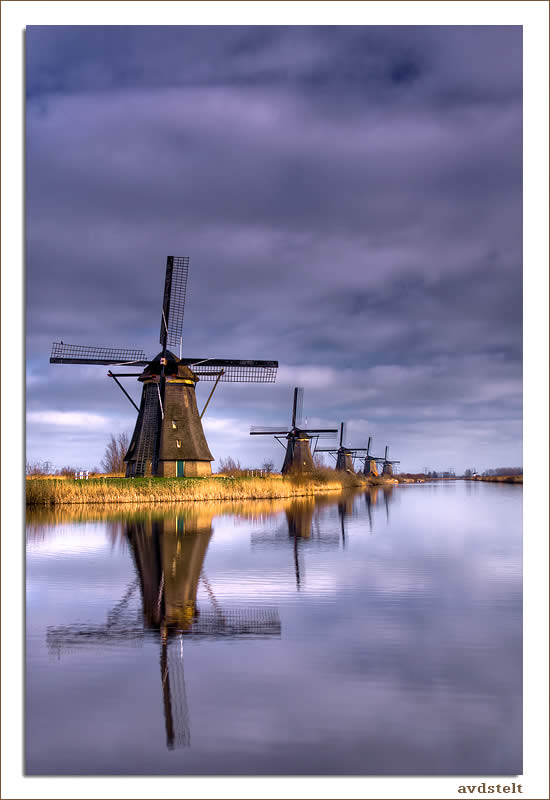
(68, 471)
(268, 466)
(319, 461)
(117, 447)
(38, 467)
(229, 466)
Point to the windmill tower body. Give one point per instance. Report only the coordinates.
(172, 445)
(387, 468)
(344, 461)
(371, 467)
(298, 456)
(371, 462)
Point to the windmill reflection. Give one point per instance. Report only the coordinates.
(169, 555)
(345, 510)
(372, 498)
(304, 531)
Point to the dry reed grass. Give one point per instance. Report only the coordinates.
(497, 478)
(172, 490)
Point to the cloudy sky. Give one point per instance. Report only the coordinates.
(350, 199)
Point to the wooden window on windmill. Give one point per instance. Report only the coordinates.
(178, 442)
(174, 426)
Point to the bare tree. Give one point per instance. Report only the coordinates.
(67, 471)
(319, 460)
(268, 467)
(117, 447)
(229, 466)
(38, 467)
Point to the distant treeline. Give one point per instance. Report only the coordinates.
(503, 471)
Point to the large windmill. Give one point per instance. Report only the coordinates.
(387, 468)
(344, 455)
(298, 456)
(168, 439)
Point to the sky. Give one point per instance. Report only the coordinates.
(351, 202)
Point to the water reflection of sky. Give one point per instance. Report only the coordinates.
(398, 652)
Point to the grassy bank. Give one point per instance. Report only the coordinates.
(172, 490)
(497, 478)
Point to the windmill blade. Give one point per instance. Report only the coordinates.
(175, 287)
(387, 452)
(256, 430)
(319, 434)
(368, 444)
(342, 429)
(234, 370)
(315, 431)
(297, 406)
(80, 354)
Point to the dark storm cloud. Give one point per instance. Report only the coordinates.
(350, 199)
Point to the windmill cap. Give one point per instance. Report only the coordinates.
(173, 367)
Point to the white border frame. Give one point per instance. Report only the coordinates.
(533, 15)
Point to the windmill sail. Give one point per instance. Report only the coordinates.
(233, 370)
(297, 407)
(81, 354)
(175, 287)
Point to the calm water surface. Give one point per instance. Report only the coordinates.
(376, 634)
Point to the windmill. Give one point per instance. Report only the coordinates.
(344, 455)
(298, 456)
(371, 462)
(387, 468)
(168, 556)
(168, 438)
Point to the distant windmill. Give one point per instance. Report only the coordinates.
(387, 468)
(168, 438)
(371, 462)
(298, 456)
(344, 455)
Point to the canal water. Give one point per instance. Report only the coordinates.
(375, 633)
